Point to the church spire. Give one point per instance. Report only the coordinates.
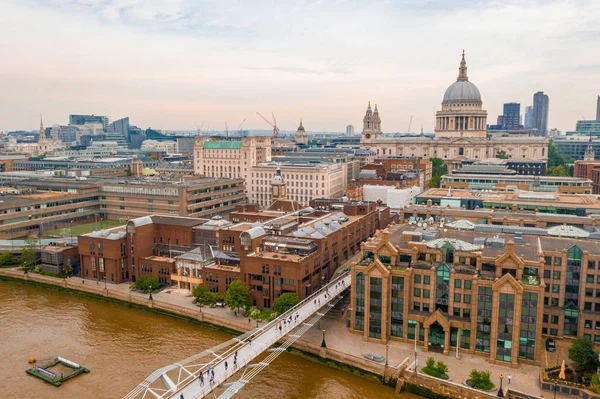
(589, 151)
(42, 132)
(462, 70)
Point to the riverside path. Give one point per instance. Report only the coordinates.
(228, 367)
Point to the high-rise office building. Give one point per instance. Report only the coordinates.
(598, 109)
(509, 120)
(82, 119)
(119, 130)
(528, 117)
(541, 103)
(350, 128)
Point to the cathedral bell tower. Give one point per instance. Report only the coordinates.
(371, 125)
(278, 186)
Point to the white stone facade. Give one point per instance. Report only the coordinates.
(304, 182)
(170, 147)
(460, 131)
(230, 158)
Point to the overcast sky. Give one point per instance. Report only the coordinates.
(170, 63)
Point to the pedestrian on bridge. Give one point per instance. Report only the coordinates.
(226, 365)
(235, 363)
(181, 396)
(201, 379)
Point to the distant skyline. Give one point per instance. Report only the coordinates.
(169, 63)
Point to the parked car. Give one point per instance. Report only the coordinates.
(550, 345)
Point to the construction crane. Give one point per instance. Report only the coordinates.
(240, 126)
(409, 124)
(273, 124)
(199, 129)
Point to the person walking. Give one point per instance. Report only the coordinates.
(509, 378)
(181, 396)
(226, 365)
(235, 363)
(201, 379)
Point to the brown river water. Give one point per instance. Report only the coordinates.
(122, 346)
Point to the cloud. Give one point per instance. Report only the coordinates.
(322, 60)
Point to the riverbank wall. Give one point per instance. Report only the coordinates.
(333, 358)
(399, 377)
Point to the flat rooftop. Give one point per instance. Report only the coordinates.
(517, 197)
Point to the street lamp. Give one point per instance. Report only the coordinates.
(104, 281)
(387, 347)
(415, 362)
(323, 344)
(500, 391)
(554, 389)
(256, 323)
(150, 297)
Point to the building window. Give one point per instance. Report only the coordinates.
(417, 292)
(467, 284)
(484, 319)
(360, 302)
(426, 280)
(417, 278)
(375, 295)
(457, 283)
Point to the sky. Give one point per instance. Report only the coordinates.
(170, 63)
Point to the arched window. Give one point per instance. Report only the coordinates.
(461, 151)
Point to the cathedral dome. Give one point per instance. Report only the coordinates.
(301, 128)
(462, 90)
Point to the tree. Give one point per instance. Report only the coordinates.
(67, 270)
(559, 170)
(28, 253)
(501, 155)
(7, 259)
(438, 169)
(238, 296)
(145, 284)
(128, 171)
(582, 352)
(285, 302)
(204, 296)
(439, 370)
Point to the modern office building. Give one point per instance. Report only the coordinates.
(528, 119)
(481, 292)
(501, 166)
(511, 117)
(575, 146)
(350, 130)
(598, 108)
(548, 202)
(119, 131)
(513, 182)
(541, 104)
(83, 119)
(170, 147)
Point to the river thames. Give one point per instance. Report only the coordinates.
(122, 346)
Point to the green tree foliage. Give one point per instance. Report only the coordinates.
(7, 259)
(145, 284)
(28, 253)
(67, 270)
(204, 296)
(559, 170)
(438, 169)
(595, 385)
(128, 171)
(238, 296)
(438, 370)
(481, 379)
(582, 352)
(285, 302)
(501, 155)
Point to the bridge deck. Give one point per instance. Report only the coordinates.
(183, 377)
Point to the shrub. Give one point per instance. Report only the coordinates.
(439, 370)
(481, 380)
